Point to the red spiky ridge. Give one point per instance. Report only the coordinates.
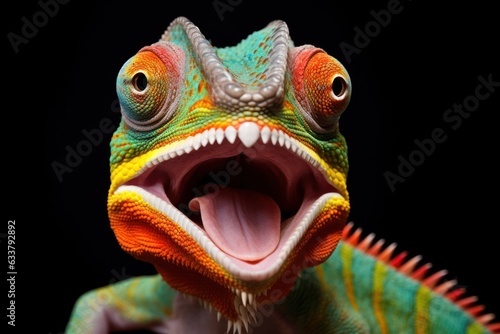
(411, 268)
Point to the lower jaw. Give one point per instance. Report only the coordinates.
(223, 292)
(227, 298)
(157, 231)
(154, 237)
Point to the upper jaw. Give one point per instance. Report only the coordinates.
(247, 157)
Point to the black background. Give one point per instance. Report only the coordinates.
(62, 81)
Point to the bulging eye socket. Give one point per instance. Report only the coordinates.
(327, 89)
(148, 86)
(142, 87)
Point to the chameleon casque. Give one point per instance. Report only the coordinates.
(228, 174)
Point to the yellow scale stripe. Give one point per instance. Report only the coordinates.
(346, 255)
(321, 275)
(422, 300)
(379, 274)
(474, 328)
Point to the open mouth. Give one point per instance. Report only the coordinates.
(246, 195)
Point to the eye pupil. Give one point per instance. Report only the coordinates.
(140, 81)
(338, 86)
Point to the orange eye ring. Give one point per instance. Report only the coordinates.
(145, 86)
(327, 90)
(142, 86)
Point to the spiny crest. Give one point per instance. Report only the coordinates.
(226, 90)
(421, 272)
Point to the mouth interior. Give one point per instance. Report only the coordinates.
(243, 223)
(247, 200)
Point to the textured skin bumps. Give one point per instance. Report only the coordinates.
(169, 94)
(262, 116)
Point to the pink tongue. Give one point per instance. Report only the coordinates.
(242, 223)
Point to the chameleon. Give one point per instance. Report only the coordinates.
(229, 175)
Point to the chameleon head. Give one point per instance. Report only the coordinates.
(228, 170)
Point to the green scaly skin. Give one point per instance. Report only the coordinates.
(251, 131)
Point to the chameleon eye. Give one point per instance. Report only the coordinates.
(140, 81)
(339, 86)
(146, 88)
(327, 91)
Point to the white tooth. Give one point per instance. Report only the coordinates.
(244, 316)
(219, 135)
(188, 145)
(248, 133)
(231, 134)
(281, 138)
(237, 328)
(172, 154)
(197, 141)
(274, 136)
(179, 151)
(204, 138)
(304, 155)
(287, 142)
(250, 298)
(265, 134)
(229, 325)
(219, 315)
(244, 298)
(211, 136)
(294, 145)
